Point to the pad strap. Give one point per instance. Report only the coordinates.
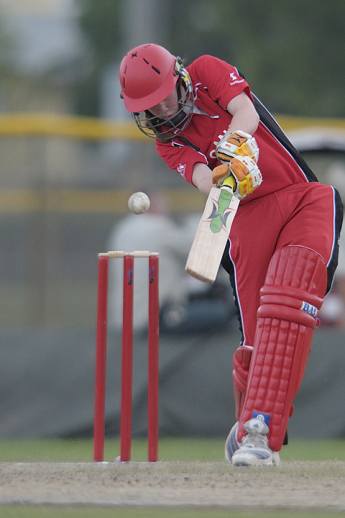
(241, 362)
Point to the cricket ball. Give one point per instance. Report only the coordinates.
(138, 202)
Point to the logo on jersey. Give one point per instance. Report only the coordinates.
(235, 79)
(212, 153)
(181, 169)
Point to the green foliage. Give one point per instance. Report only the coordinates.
(291, 51)
(6, 46)
(100, 24)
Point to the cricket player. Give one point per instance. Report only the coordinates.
(282, 250)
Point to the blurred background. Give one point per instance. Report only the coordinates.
(70, 157)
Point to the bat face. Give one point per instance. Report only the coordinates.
(212, 234)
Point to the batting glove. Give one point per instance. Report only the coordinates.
(237, 144)
(241, 174)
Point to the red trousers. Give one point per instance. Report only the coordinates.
(302, 214)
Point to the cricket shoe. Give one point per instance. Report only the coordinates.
(254, 449)
(231, 443)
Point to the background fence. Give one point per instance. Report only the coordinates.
(64, 186)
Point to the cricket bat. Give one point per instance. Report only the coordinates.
(212, 234)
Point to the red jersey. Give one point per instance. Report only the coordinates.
(215, 84)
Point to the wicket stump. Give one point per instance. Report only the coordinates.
(127, 353)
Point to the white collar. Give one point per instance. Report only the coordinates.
(197, 111)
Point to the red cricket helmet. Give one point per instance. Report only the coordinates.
(147, 76)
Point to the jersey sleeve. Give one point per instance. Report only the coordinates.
(222, 79)
(181, 158)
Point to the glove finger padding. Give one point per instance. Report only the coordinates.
(239, 169)
(221, 175)
(237, 144)
(241, 174)
(247, 175)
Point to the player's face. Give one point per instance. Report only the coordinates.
(167, 108)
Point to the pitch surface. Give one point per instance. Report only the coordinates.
(293, 485)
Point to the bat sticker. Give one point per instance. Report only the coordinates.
(221, 211)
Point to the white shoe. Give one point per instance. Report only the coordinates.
(231, 443)
(254, 449)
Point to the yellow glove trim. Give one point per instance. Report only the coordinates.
(230, 182)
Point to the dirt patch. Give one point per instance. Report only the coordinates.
(294, 485)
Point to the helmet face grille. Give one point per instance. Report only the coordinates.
(166, 129)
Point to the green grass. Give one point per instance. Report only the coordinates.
(137, 512)
(68, 450)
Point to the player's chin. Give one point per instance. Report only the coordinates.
(167, 114)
